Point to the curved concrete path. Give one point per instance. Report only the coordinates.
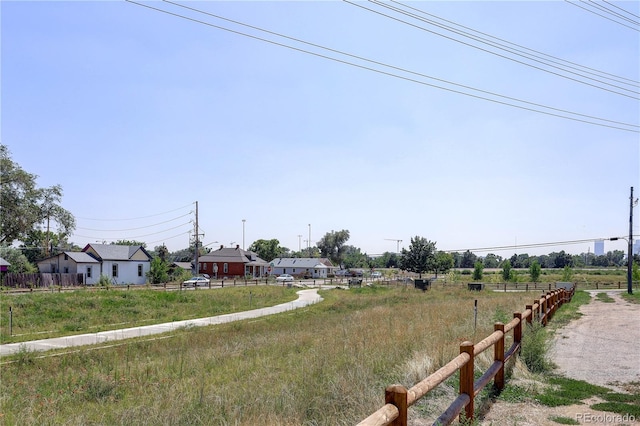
(305, 298)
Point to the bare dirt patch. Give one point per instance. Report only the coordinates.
(602, 348)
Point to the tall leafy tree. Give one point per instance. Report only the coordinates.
(158, 272)
(354, 258)
(266, 249)
(332, 245)
(420, 257)
(468, 260)
(506, 270)
(443, 262)
(25, 207)
(491, 261)
(534, 271)
(477, 270)
(129, 243)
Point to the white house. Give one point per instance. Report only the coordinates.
(70, 262)
(121, 264)
(312, 267)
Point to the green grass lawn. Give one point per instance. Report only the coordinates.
(43, 315)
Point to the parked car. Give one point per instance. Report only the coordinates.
(376, 274)
(342, 273)
(284, 278)
(196, 282)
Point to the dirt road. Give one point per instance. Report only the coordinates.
(603, 348)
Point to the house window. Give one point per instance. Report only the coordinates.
(66, 257)
(66, 269)
(88, 271)
(139, 269)
(225, 268)
(114, 270)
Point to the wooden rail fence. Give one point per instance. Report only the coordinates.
(398, 398)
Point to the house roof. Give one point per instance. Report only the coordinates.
(233, 255)
(81, 257)
(183, 265)
(76, 256)
(115, 252)
(4, 262)
(299, 262)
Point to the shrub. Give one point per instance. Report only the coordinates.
(535, 349)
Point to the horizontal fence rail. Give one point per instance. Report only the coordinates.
(398, 398)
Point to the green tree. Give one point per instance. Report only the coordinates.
(25, 207)
(266, 249)
(18, 261)
(468, 260)
(491, 261)
(420, 257)
(443, 262)
(506, 270)
(567, 273)
(129, 243)
(354, 258)
(158, 272)
(534, 271)
(477, 271)
(332, 245)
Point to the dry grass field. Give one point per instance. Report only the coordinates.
(327, 364)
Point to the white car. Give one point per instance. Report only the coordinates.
(284, 278)
(196, 282)
(376, 274)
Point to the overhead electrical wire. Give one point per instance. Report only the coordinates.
(634, 128)
(134, 237)
(495, 45)
(521, 246)
(619, 8)
(522, 50)
(135, 218)
(603, 16)
(134, 229)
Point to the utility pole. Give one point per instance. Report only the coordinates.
(630, 248)
(197, 243)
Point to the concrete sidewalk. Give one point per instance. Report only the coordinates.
(305, 298)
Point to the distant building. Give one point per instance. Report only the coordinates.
(598, 247)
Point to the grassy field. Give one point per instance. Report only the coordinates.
(327, 364)
(42, 315)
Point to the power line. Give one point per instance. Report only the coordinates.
(534, 245)
(135, 218)
(525, 50)
(600, 15)
(493, 45)
(132, 237)
(134, 229)
(388, 73)
(619, 8)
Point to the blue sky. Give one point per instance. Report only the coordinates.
(137, 114)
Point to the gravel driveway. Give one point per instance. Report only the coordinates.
(602, 347)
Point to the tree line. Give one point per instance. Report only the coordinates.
(35, 217)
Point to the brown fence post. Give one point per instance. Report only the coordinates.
(530, 317)
(466, 380)
(397, 395)
(498, 355)
(517, 330)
